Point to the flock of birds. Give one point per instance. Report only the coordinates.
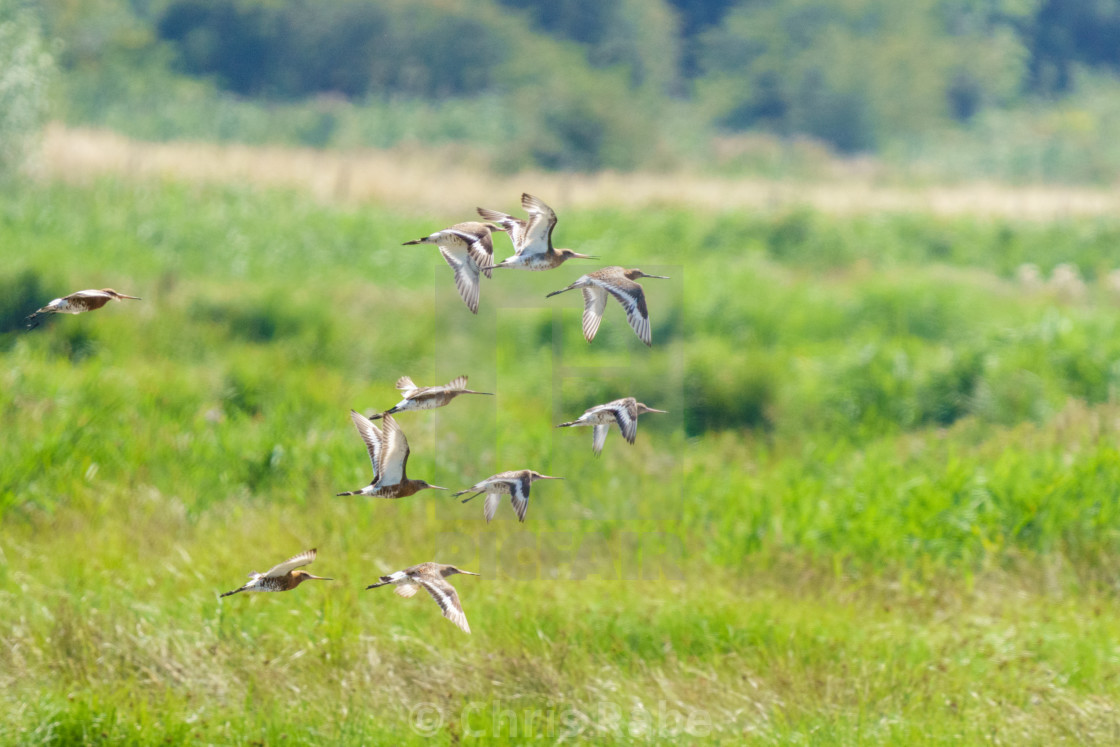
(468, 249)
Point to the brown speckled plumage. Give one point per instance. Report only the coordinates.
(282, 577)
(431, 576)
(388, 452)
(621, 412)
(514, 483)
(532, 239)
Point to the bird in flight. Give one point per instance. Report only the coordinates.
(532, 239)
(433, 577)
(427, 397)
(282, 577)
(467, 248)
(514, 483)
(388, 452)
(617, 282)
(79, 302)
(621, 412)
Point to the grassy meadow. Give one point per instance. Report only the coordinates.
(884, 506)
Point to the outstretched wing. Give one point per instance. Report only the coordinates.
(394, 454)
(594, 303)
(473, 240)
(599, 437)
(448, 600)
(372, 435)
(538, 232)
(481, 247)
(466, 276)
(405, 590)
(633, 300)
(519, 496)
(490, 507)
(515, 227)
(290, 564)
(459, 382)
(625, 413)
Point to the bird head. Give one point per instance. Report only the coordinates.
(118, 296)
(450, 570)
(635, 273)
(569, 254)
(538, 476)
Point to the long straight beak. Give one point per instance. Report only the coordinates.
(660, 277)
(584, 256)
(318, 578)
(133, 298)
(546, 477)
(437, 487)
(653, 410)
(470, 573)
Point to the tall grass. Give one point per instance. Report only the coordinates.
(882, 505)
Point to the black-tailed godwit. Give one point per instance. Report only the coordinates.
(432, 576)
(532, 239)
(427, 397)
(618, 282)
(514, 483)
(388, 452)
(282, 577)
(621, 412)
(466, 247)
(79, 302)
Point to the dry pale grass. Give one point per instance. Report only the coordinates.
(421, 180)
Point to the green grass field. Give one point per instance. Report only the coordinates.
(884, 506)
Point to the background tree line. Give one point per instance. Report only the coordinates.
(583, 84)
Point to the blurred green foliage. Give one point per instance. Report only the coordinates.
(889, 470)
(26, 72)
(847, 328)
(957, 88)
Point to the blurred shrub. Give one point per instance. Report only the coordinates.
(351, 47)
(20, 295)
(727, 388)
(851, 73)
(25, 73)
